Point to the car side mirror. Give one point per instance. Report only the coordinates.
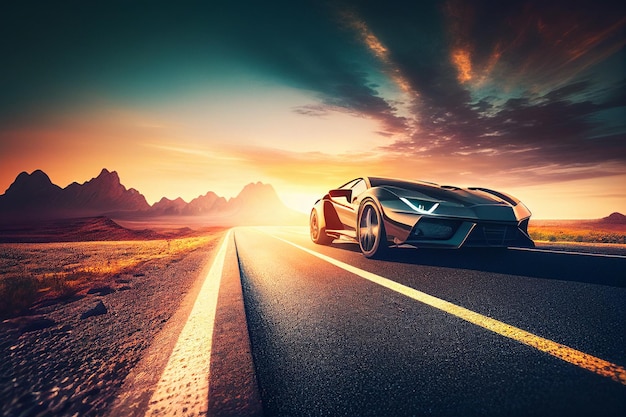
(342, 192)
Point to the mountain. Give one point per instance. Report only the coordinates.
(30, 193)
(103, 194)
(613, 218)
(33, 197)
(205, 204)
(167, 207)
(258, 204)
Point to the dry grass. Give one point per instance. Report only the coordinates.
(577, 231)
(31, 272)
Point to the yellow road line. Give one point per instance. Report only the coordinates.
(581, 359)
(184, 385)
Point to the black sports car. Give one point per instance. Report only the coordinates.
(380, 212)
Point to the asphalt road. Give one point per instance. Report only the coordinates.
(426, 332)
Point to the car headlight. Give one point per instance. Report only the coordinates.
(420, 206)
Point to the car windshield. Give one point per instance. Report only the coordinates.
(407, 185)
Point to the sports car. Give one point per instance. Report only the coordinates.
(383, 212)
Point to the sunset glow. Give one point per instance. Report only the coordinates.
(526, 98)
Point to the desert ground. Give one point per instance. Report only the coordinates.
(79, 315)
(580, 231)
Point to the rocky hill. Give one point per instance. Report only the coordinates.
(76, 230)
(104, 193)
(33, 197)
(614, 218)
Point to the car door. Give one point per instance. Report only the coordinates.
(347, 209)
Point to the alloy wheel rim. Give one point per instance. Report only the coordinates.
(314, 226)
(368, 228)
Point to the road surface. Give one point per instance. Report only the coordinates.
(283, 327)
(428, 332)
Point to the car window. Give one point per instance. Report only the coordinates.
(358, 188)
(350, 184)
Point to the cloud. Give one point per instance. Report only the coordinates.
(544, 43)
(526, 87)
(510, 87)
(313, 110)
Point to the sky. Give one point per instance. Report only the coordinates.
(182, 98)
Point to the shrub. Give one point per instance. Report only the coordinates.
(17, 294)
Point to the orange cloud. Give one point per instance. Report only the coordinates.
(378, 49)
(463, 63)
(536, 44)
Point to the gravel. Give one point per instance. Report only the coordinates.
(55, 363)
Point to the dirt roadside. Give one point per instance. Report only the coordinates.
(55, 363)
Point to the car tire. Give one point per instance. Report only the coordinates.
(371, 233)
(318, 233)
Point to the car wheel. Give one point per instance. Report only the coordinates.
(318, 233)
(371, 231)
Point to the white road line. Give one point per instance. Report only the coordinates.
(184, 386)
(581, 359)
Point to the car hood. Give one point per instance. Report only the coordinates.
(461, 197)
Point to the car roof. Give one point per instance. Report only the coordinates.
(396, 182)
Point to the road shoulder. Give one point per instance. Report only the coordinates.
(233, 388)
